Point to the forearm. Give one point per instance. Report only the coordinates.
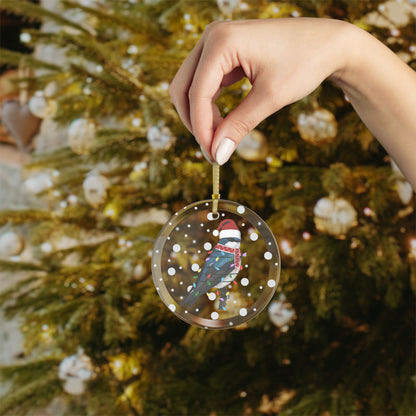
(382, 89)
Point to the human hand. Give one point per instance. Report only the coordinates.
(284, 59)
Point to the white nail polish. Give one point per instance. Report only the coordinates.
(225, 150)
(207, 156)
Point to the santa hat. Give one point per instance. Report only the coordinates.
(229, 229)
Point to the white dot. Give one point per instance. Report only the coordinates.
(25, 37)
(254, 236)
(215, 233)
(189, 288)
(214, 315)
(241, 209)
(211, 296)
(207, 246)
(244, 281)
(172, 307)
(243, 311)
(268, 255)
(210, 216)
(195, 267)
(271, 283)
(176, 248)
(171, 271)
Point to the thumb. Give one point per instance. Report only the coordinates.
(244, 118)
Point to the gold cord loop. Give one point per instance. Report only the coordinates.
(215, 188)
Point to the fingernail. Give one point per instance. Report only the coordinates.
(225, 150)
(207, 156)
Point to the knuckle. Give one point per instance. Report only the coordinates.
(219, 33)
(241, 127)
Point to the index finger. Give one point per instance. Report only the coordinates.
(179, 87)
(203, 92)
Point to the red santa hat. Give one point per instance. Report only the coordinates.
(229, 229)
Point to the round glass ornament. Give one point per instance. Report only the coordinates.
(216, 271)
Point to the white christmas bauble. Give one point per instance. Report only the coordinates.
(95, 189)
(38, 183)
(159, 137)
(140, 271)
(281, 312)
(317, 127)
(81, 135)
(334, 216)
(253, 147)
(11, 244)
(228, 7)
(42, 107)
(75, 371)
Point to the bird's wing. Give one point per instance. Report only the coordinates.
(216, 267)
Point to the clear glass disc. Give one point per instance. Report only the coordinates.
(216, 271)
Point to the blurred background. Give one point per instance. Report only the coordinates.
(94, 160)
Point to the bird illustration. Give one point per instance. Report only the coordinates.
(221, 266)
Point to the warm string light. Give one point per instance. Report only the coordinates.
(286, 247)
(413, 247)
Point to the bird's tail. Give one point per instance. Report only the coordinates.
(190, 298)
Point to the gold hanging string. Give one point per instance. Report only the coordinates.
(215, 188)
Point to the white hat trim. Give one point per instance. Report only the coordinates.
(230, 234)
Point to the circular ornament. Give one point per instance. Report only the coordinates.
(81, 135)
(216, 271)
(317, 127)
(42, 107)
(11, 244)
(75, 371)
(334, 216)
(160, 137)
(253, 147)
(95, 188)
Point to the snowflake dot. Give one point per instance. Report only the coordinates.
(207, 246)
(243, 311)
(244, 281)
(214, 315)
(176, 248)
(171, 271)
(211, 296)
(254, 236)
(271, 283)
(241, 209)
(172, 307)
(268, 255)
(195, 267)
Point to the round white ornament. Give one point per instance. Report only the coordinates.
(11, 244)
(281, 312)
(81, 135)
(42, 107)
(317, 127)
(95, 189)
(76, 370)
(228, 7)
(253, 147)
(160, 137)
(334, 216)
